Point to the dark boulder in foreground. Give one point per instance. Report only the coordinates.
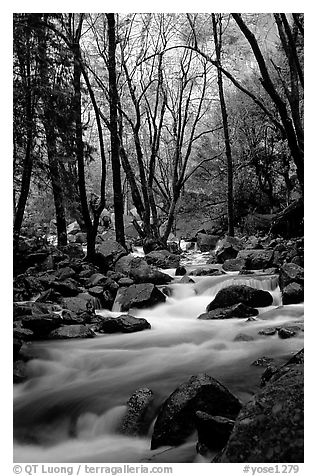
(291, 273)
(139, 296)
(138, 417)
(176, 418)
(213, 431)
(74, 331)
(240, 293)
(270, 427)
(124, 323)
(42, 325)
(237, 310)
(293, 293)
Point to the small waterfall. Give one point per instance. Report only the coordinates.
(212, 284)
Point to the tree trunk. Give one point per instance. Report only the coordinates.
(47, 96)
(28, 160)
(115, 145)
(294, 146)
(80, 153)
(224, 114)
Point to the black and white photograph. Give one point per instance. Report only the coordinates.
(158, 241)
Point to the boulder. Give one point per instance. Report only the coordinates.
(235, 264)
(176, 418)
(140, 271)
(206, 242)
(73, 250)
(42, 325)
(107, 254)
(140, 410)
(65, 273)
(96, 291)
(270, 427)
(125, 282)
(67, 288)
(124, 323)
(74, 331)
(180, 271)
(257, 259)
(139, 296)
(19, 371)
(240, 293)
(206, 271)
(21, 333)
(237, 310)
(228, 248)
(162, 259)
(97, 279)
(289, 273)
(213, 431)
(79, 304)
(253, 243)
(293, 293)
(268, 331)
(152, 244)
(286, 332)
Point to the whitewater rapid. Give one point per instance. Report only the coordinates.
(70, 408)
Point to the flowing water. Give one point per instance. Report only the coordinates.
(70, 407)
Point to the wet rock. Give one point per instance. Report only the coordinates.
(213, 431)
(21, 333)
(180, 271)
(163, 259)
(268, 331)
(96, 291)
(235, 264)
(206, 242)
(293, 293)
(74, 331)
(228, 248)
(42, 325)
(240, 293)
(176, 418)
(289, 273)
(19, 371)
(263, 361)
(108, 252)
(97, 279)
(65, 273)
(140, 271)
(243, 338)
(124, 323)
(81, 303)
(67, 288)
(186, 280)
(237, 310)
(270, 427)
(73, 250)
(286, 333)
(152, 244)
(139, 414)
(253, 243)
(298, 358)
(206, 271)
(125, 282)
(257, 259)
(21, 309)
(139, 296)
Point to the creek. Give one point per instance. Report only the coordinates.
(69, 408)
